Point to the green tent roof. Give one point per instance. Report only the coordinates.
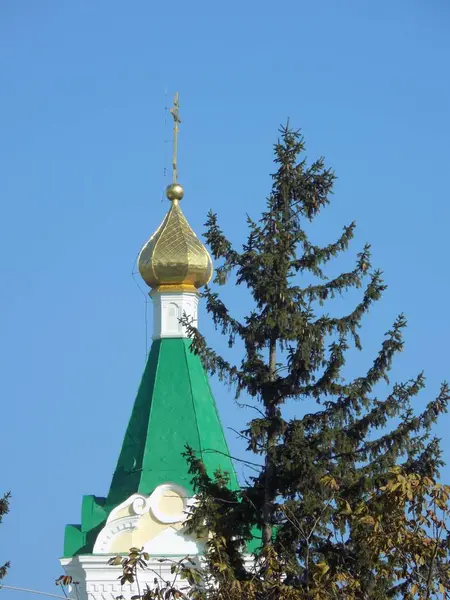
(174, 406)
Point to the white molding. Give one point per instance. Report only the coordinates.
(168, 309)
(100, 581)
(164, 490)
(170, 541)
(139, 504)
(112, 530)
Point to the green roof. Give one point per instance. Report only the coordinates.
(174, 406)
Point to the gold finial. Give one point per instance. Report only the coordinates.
(175, 192)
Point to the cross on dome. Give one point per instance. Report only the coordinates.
(174, 258)
(175, 112)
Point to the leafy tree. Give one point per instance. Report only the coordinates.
(4, 510)
(402, 527)
(346, 502)
(294, 350)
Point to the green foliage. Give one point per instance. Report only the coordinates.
(400, 531)
(346, 502)
(4, 510)
(294, 350)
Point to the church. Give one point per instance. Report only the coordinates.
(151, 492)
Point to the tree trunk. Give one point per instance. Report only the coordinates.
(269, 463)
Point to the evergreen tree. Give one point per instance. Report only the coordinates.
(322, 482)
(4, 509)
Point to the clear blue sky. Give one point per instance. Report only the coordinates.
(82, 157)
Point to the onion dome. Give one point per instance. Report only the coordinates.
(174, 258)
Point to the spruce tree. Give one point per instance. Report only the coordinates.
(4, 509)
(327, 477)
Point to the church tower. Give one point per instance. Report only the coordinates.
(151, 491)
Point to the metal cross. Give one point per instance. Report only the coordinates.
(176, 120)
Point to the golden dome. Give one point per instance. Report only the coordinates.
(174, 258)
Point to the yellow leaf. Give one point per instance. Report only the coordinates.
(347, 510)
(323, 567)
(329, 482)
(360, 508)
(367, 520)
